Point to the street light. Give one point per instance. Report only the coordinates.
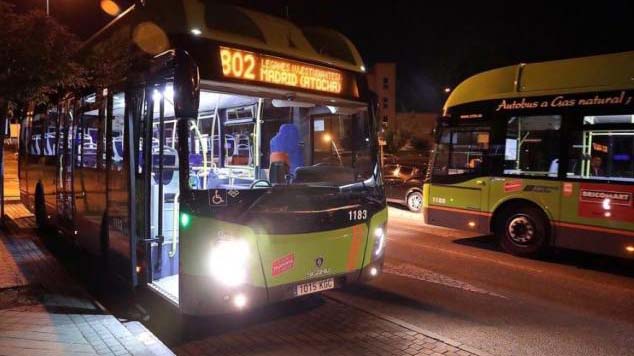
(328, 139)
(110, 7)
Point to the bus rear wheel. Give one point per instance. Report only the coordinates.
(523, 232)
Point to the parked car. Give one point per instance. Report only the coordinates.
(404, 185)
(389, 158)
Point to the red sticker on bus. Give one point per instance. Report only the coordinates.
(612, 202)
(568, 188)
(512, 186)
(282, 264)
(601, 196)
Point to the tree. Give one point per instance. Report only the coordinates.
(396, 139)
(36, 58)
(421, 144)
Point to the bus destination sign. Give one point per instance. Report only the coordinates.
(258, 67)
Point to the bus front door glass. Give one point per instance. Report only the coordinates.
(458, 175)
(600, 172)
(160, 142)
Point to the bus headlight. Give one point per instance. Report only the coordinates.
(228, 262)
(379, 240)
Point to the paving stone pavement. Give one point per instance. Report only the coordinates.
(330, 329)
(45, 312)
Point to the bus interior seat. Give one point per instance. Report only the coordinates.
(553, 171)
(35, 145)
(49, 148)
(117, 149)
(230, 144)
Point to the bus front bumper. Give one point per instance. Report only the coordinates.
(200, 296)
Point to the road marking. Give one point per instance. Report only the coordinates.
(407, 241)
(411, 271)
(463, 254)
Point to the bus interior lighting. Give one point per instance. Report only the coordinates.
(629, 249)
(156, 95)
(196, 31)
(374, 272)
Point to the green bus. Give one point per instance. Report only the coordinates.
(234, 164)
(540, 154)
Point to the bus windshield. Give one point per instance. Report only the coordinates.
(245, 142)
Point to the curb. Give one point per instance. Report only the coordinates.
(411, 327)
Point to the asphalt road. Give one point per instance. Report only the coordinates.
(461, 286)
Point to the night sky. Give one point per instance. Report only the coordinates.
(436, 44)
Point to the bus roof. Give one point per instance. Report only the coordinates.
(584, 74)
(231, 24)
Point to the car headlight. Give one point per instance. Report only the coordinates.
(379, 240)
(228, 262)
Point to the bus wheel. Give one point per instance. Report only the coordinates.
(415, 201)
(522, 232)
(40, 209)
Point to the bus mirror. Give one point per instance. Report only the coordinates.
(186, 86)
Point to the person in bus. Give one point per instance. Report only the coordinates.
(595, 167)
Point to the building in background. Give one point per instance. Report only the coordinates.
(407, 136)
(382, 80)
(418, 130)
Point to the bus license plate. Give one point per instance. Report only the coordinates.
(314, 287)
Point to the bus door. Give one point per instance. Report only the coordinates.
(460, 189)
(64, 150)
(160, 187)
(597, 210)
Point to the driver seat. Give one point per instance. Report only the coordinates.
(279, 168)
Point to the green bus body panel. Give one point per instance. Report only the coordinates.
(549, 195)
(600, 73)
(342, 250)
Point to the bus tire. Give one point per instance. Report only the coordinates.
(523, 231)
(41, 219)
(415, 201)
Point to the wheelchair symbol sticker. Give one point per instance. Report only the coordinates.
(218, 197)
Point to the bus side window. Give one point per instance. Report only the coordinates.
(89, 133)
(35, 143)
(49, 139)
(603, 149)
(532, 145)
(461, 151)
(117, 153)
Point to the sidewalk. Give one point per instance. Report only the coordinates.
(44, 312)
